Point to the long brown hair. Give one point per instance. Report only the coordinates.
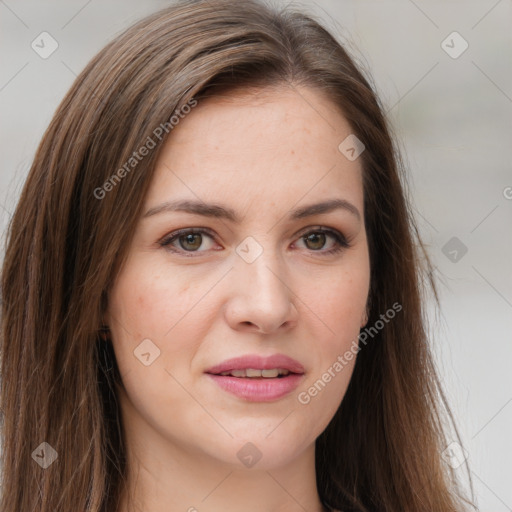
(67, 241)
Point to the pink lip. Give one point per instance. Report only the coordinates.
(258, 389)
(258, 363)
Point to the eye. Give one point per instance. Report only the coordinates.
(316, 239)
(190, 240)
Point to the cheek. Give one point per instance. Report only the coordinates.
(154, 328)
(340, 303)
(146, 302)
(340, 300)
(168, 309)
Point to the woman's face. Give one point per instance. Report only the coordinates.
(264, 274)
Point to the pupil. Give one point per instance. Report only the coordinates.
(311, 238)
(189, 239)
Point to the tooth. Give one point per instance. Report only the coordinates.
(251, 372)
(270, 373)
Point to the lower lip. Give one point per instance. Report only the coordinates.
(258, 389)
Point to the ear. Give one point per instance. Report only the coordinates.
(365, 315)
(104, 330)
(364, 318)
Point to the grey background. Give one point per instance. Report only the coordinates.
(453, 120)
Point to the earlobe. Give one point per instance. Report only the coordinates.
(104, 333)
(364, 318)
(366, 312)
(104, 330)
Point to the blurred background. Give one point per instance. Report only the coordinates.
(443, 71)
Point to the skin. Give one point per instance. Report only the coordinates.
(262, 154)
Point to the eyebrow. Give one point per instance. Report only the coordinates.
(223, 212)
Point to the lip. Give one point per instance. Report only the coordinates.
(258, 363)
(258, 389)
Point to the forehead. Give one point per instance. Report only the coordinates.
(280, 142)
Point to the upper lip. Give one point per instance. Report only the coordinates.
(258, 363)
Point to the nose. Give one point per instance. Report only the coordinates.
(261, 297)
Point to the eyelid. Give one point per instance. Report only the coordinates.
(341, 240)
(166, 241)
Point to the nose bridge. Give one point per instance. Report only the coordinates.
(259, 261)
(260, 293)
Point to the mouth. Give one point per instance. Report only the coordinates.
(254, 373)
(257, 379)
(254, 366)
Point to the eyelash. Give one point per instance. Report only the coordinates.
(341, 241)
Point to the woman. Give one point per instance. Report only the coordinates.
(221, 305)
